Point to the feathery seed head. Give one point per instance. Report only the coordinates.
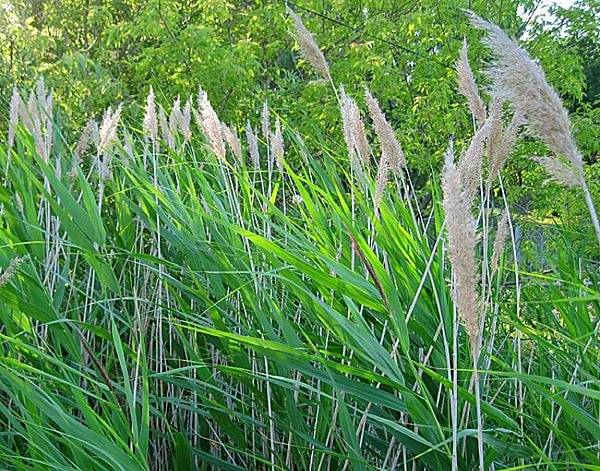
(495, 115)
(128, 146)
(13, 119)
(34, 110)
(9, 272)
(309, 47)
(25, 113)
(265, 122)
(277, 146)
(210, 124)
(502, 146)
(354, 131)
(390, 147)
(150, 122)
(392, 156)
(49, 109)
(252, 145)
(517, 78)
(107, 138)
(355, 161)
(471, 161)
(560, 171)
(165, 128)
(462, 241)
(40, 91)
(499, 240)
(176, 116)
(186, 117)
(37, 118)
(107, 133)
(467, 86)
(346, 120)
(233, 141)
(88, 136)
(381, 181)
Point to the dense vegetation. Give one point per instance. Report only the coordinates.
(94, 54)
(175, 297)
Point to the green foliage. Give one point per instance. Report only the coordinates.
(94, 54)
(194, 313)
(190, 313)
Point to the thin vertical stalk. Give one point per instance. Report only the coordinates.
(454, 396)
(592, 209)
(475, 355)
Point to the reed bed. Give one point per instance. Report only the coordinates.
(175, 298)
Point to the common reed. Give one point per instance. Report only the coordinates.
(180, 120)
(107, 132)
(462, 245)
(252, 145)
(89, 136)
(391, 149)
(501, 147)
(381, 181)
(354, 132)
(176, 116)
(309, 47)
(185, 121)
(462, 242)
(518, 79)
(277, 145)
(36, 113)
(470, 165)
(209, 122)
(150, 124)
(392, 157)
(233, 141)
(218, 327)
(499, 241)
(265, 122)
(467, 86)
(107, 138)
(10, 270)
(165, 128)
(13, 115)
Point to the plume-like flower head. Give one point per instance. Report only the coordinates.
(471, 161)
(10, 270)
(233, 141)
(277, 146)
(186, 118)
(462, 241)
(165, 128)
(108, 129)
(252, 145)
(390, 147)
(518, 79)
(210, 124)
(499, 240)
(354, 132)
(150, 122)
(467, 86)
(16, 103)
(501, 147)
(309, 47)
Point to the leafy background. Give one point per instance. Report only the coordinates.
(96, 53)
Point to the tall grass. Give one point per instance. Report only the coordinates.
(174, 303)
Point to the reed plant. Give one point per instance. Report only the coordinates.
(180, 299)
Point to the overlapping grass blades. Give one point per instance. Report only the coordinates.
(313, 334)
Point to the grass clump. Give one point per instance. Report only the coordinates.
(180, 300)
